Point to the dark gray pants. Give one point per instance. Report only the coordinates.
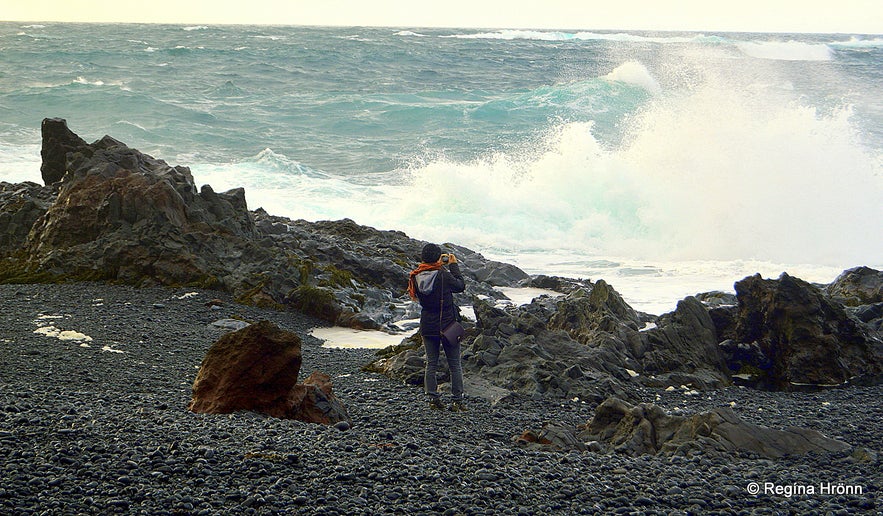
(452, 353)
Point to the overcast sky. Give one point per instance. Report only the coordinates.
(845, 16)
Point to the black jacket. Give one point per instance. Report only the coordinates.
(435, 290)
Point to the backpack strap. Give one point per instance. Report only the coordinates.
(441, 304)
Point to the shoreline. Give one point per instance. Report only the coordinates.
(656, 287)
(86, 430)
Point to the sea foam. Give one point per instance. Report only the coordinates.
(721, 170)
(633, 72)
(786, 50)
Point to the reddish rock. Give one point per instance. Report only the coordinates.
(313, 401)
(256, 369)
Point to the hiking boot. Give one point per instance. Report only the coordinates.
(457, 406)
(435, 403)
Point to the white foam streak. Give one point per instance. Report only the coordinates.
(99, 82)
(538, 35)
(515, 34)
(857, 43)
(633, 72)
(786, 50)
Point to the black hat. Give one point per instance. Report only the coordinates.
(431, 253)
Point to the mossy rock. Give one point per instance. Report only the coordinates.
(339, 277)
(304, 267)
(415, 341)
(15, 270)
(752, 371)
(315, 301)
(257, 297)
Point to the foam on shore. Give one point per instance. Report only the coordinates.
(338, 337)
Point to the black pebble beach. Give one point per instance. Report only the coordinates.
(105, 429)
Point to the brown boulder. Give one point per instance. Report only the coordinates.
(314, 401)
(256, 369)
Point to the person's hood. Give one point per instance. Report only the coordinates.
(426, 281)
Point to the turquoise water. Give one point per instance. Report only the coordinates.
(666, 161)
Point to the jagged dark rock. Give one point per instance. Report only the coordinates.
(857, 286)
(583, 315)
(805, 340)
(647, 429)
(557, 283)
(683, 349)
(20, 206)
(872, 315)
(59, 142)
(587, 345)
(590, 344)
(112, 213)
(716, 299)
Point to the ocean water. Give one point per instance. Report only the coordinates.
(666, 163)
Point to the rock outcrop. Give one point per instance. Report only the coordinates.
(20, 207)
(782, 334)
(112, 213)
(58, 142)
(124, 216)
(589, 344)
(857, 286)
(789, 335)
(683, 349)
(256, 369)
(618, 427)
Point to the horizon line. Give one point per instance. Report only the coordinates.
(435, 27)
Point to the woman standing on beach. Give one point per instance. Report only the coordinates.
(434, 282)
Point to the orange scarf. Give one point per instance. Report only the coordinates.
(412, 285)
